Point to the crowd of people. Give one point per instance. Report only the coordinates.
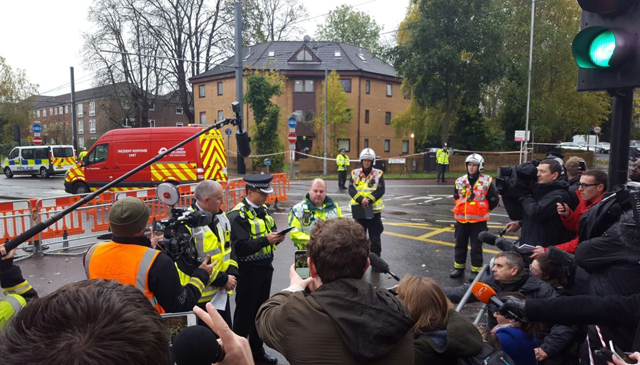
(566, 300)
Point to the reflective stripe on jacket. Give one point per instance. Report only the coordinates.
(303, 217)
(343, 162)
(442, 156)
(259, 228)
(474, 210)
(133, 264)
(365, 186)
(11, 305)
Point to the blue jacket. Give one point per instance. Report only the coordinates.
(516, 344)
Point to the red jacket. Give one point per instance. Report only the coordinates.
(571, 222)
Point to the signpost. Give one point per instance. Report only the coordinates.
(292, 122)
(36, 128)
(37, 141)
(228, 133)
(267, 162)
(292, 138)
(520, 137)
(29, 138)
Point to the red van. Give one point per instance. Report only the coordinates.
(120, 151)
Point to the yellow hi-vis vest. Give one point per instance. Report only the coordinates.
(343, 162)
(208, 244)
(442, 157)
(365, 186)
(304, 219)
(13, 301)
(259, 228)
(467, 210)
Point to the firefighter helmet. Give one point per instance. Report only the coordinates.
(476, 159)
(368, 154)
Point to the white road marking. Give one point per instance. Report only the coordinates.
(421, 197)
(404, 197)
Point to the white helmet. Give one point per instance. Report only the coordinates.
(368, 154)
(477, 159)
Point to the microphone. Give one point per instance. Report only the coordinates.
(504, 244)
(560, 257)
(488, 238)
(378, 264)
(196, 345)
(487, 295)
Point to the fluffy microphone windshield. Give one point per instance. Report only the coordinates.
(196, 345)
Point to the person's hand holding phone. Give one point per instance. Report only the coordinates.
(274, 238)
(512, 227)
(563, 210)
(295, 279)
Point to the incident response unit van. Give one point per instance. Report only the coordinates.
(42, 161)
(120, 151)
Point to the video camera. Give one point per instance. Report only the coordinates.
(178, 242)
(517, 181)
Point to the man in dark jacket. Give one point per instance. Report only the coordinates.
(538, 215)
(575, 167)
(509, 275)
(344, 320)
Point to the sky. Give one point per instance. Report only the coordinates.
(44, 37)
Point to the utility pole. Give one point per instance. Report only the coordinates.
(74, 124)
(242, 169)
(526, 127)
(326, 101)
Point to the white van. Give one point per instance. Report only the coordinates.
(42, 161)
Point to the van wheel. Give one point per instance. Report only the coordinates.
(44, 173)
(80, 188)
(8, 173)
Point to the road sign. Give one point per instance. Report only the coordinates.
(228, 131)
(292, 138)
(292, 130)
(36, 134)
(267, 162)
(36, 128)
(292, 146)
(293, 122)
(29, 138)
(596, 130)
(37, 141)
(519, 136)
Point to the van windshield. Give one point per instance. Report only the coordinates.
(62, 152)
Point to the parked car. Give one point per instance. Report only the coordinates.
(603, 147)
(571, 146)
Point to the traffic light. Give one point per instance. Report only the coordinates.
(606, 49)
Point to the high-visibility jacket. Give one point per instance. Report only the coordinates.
(442, 157)
(304, 215)
(365, 186)
(207, 243)
(343, 162)
(260, 227)
(81, 155)
(11, 305)
(468, 210)
(134, 262)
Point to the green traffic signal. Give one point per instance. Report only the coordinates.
(601, 48)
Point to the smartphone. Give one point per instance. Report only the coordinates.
(583, 166)
(175, 322)
(285, 231)
(300, 260)
(621, 353)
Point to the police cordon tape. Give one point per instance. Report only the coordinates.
(81, 228)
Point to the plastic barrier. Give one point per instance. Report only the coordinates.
(15, 219)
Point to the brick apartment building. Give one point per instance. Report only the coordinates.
(98, 111)
(372, 87)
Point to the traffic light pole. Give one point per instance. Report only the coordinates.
(620, 136)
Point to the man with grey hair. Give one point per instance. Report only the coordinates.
(510, 275)
(316, 206)
(215, 240)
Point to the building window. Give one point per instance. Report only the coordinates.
(346, 85)
(55, 111)
(51, 111)
(405, 146)
(38, 113)
(79, 106)
(298, 86)
(203, 117)
(66, 109)
(152, 107)
(81, 142)
(304, 55)
(366, 117)
(152, 123)
(344, 143)
(80, 126)
(220, 88)
(303, 86)
(220, 115)
(178, 124)
(92, 125)
(308, 86)
(44, 112)
(60, 108)
(179, 110)
(387, 145)
(126, 104)
(389, 94)
(92, 108)
(201, 91)
(366, 143)
(387, 118)
(368, 87)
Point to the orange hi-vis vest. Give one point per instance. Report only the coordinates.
(125, 263)
(474, 210)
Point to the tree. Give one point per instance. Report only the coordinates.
(338, 112)
(350, 26)
(266, 115)
(272, 20)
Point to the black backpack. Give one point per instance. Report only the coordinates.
(488, 356)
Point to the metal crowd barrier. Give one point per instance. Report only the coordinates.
(468, 295)
(15, 218)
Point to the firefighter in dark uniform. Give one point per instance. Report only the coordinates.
(475, 195)
(253, 238)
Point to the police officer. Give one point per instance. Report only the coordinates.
(214, 240)
(315, 206)
(367, 187)
(131, 258)
(442, 159)
(82, 154)
(253, 238)
(343, 166)
(17, 291)
(475, 196)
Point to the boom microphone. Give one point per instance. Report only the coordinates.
(488, 238)
(380, 265)
(196, 345)
(560, 257)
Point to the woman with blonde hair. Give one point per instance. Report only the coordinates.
(440, 334)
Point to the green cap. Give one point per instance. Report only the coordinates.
(128, 216)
